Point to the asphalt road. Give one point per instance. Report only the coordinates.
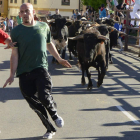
(111, 112)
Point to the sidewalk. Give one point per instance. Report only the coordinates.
(132, 49)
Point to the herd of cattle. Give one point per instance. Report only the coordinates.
(90, 42)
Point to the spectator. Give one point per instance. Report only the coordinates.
(99, 12)
(56, 15)
(103, 11)
(19, 19)
(107, 13)
(35, 17)
(136, 13)
(74, 16)
(111, 4)
(119, 28)
(4, 25)
(5, 39)
(10, 25)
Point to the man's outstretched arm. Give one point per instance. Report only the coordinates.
(52, 49)
(13, 66)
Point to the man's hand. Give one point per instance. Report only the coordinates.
(10, 45)
(64, 63)
(9, 81)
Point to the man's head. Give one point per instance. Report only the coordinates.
(57, 11)
(27, 12)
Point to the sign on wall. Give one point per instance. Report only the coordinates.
(65, 2)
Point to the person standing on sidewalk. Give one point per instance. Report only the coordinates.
(19, 19)
(136, 13)
(29, 62)
(56, 15)
(10, 25)
(4, 24)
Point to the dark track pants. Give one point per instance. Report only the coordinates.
(36, 88)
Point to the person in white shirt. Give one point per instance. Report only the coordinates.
(10, 25)
(136, 13)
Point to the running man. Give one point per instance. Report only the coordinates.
(29, 62)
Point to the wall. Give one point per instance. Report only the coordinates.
(46, 5)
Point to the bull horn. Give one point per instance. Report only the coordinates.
(76, 37)
(110, 27)
(83, 19)
(69, 20)
(52, 20)
(102, 37)
(122, 33)
(115, 21)
(86, 22)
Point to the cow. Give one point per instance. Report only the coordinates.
(91, 52)
(59, 32)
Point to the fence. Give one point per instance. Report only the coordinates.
(127, 27)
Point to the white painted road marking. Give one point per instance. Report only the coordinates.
(128, 115)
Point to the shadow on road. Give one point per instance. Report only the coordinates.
(120, 92)
(30, 138)
(4, 65)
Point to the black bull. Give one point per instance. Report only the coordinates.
(59, 32)
(91, 53)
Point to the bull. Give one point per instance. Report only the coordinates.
(59, 32)
(91, 53)
(75, 28)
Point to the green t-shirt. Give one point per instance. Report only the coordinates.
(31, 44)
(19, 20)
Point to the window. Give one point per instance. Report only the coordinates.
(65, 2)
(15, 1)
(11, 1)
(28, 1)
(35, 1)
(22, 1)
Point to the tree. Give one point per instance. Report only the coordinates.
(94, 3)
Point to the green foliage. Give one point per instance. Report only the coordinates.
(94, 3)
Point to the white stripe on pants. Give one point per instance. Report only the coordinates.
(135, 14)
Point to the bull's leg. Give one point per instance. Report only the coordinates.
(75, 52)
(53, 60)
(107, 55)
(63, 53)
(83, 82)
(110, 58)
(90, 85)
(70, 57)
(101, 74)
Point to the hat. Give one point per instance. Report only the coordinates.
(102, 5)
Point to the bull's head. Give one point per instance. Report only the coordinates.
(59, 29)
(91, 40)
(110, 22)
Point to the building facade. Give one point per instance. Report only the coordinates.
(45, 7)
(4, 8)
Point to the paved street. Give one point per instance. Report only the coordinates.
(111, 112)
